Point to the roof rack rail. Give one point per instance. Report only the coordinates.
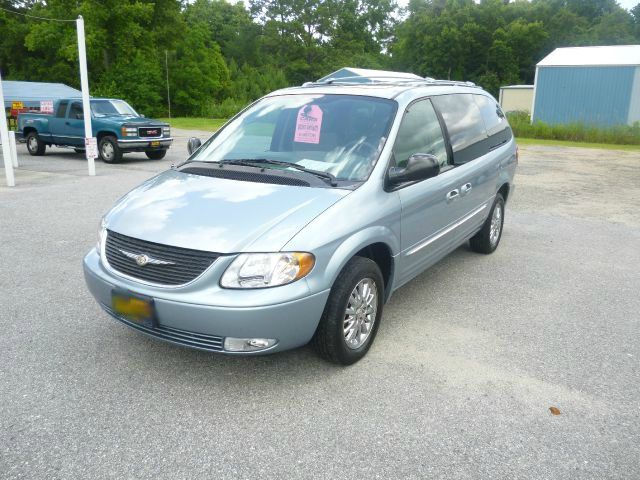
(387, 80)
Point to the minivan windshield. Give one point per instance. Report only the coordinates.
(102, 108)
(338, 134)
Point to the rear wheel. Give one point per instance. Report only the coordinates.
(35, 146)
(488, 238)
(352, 315)
(109, 150)
(156, 154)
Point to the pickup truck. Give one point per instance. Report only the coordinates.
(117, 126)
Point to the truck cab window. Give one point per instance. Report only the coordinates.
(76, 111)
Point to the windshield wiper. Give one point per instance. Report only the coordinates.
(251, 162)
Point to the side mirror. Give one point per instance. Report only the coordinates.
(142, 115)
(193, 144)
(419, 167)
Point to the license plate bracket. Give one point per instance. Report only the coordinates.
(133, 307)
(155, 143)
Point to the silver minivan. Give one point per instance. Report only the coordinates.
(296, 221)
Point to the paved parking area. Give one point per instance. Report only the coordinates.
(467, 362)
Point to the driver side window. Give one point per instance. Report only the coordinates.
(419, 132)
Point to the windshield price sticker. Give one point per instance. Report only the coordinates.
(91, 147)
(308, 124)
(46, 106)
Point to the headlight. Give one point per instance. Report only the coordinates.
(102, 234)
(260, 270)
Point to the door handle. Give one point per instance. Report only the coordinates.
(452, 195)
(466, 188)
(66, 123)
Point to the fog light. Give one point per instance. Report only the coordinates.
(232, 344)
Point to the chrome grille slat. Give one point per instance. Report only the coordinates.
(187, 265)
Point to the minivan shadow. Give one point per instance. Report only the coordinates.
(302, 363)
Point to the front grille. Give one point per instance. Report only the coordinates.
(200, 341)
(245, 176)
(151, 132)
(185, 264)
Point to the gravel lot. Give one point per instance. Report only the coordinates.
(467, 362)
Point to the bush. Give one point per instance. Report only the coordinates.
(578, 132)
(225, 109)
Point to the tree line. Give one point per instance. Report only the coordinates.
(221, 55)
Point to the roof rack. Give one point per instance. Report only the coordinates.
(387, 80)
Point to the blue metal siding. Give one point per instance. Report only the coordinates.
(591, 95)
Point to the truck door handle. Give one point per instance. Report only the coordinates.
(466, 188)
(452, 195)
(66, 123)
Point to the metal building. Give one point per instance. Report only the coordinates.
(30, 94)
(590, 85)
(516, 98)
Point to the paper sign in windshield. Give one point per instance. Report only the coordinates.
(308, 124)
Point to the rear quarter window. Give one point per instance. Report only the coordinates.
(464, 124)
(492, 116)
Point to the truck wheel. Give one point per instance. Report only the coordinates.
(35, 146)
(156, 154)
(352, 315)
(488, 238)
(109, 150)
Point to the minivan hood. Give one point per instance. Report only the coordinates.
(218, 215)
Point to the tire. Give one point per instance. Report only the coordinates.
(488, 238)
(330, 338)
(156, 154)
(109, 150)
(35, 146)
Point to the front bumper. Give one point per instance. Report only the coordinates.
(205, 325)
(138, 144)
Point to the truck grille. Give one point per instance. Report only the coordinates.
(162, 264)
(150, 132)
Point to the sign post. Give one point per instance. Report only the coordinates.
(14, 150)
(4, 136)
(86, 106)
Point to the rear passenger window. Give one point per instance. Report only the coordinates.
(464, 125)
(419, 132)
(62, 109)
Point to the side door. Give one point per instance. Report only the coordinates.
(75, 124)
(428, 208)
(57, 125)
(475, 165)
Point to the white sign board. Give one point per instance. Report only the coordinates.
(91, 147)
(46, 106)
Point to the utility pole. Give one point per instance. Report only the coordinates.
(166, 63)
(90, 146)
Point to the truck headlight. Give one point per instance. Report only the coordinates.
(102, 235)
(261, 270)
(166, 131)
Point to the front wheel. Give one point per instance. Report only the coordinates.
(488, 238)
(155, 154)
(109, 150)
(35, 146)
(352, 315)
